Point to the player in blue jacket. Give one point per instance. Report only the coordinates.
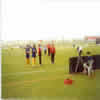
(34, 51)
(27, 52)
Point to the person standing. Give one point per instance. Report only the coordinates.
(52, 51)
(45, 50)
(34, 51)
(27, 51)
(79, 50)
(79, 59)
(40, 54)
(48, 49)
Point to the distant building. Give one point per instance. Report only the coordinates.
(95, 39)
(91, 38)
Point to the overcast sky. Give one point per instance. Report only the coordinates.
(48, 19)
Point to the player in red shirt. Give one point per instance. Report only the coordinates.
(52, 51)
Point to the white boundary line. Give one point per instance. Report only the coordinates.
(28, 72)
(21, 73)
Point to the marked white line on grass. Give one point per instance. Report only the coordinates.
(22, 73)
(29, 82)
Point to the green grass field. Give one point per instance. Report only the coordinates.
(46, 82)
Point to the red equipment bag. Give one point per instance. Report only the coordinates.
(68, 81)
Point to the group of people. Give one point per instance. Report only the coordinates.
(50, 49)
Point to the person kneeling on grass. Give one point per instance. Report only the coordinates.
(52, 51)
(89, 65)
(34, 51)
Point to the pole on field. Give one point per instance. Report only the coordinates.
(65, 65)
(65, 55)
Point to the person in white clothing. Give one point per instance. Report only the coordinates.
(89, 65)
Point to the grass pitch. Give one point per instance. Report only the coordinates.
(46, 82)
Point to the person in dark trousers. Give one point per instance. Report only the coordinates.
(40, 54)
(48, 49)
(52, 51)
(34, 51)
(27, 52)
(45, 50)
